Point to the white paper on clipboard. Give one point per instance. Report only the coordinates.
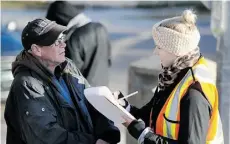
(102, 99)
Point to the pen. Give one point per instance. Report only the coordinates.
(128, 95)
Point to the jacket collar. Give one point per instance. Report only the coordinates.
(79, 20)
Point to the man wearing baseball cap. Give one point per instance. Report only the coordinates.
(46, 102)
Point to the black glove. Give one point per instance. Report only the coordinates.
(117, 95)
(136, 127)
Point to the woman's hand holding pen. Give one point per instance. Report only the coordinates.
(124, 103)
(118, 96)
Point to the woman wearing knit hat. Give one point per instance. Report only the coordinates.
(184, 108)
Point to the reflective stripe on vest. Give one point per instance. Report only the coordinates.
(169, 117)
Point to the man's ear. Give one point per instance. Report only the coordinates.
(36, 50)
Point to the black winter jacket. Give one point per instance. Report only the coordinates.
(36, 112)
(89, 48)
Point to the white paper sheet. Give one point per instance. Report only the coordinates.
(102, 99)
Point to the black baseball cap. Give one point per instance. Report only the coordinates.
(42, 32)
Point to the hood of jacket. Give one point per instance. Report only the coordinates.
(79, 21)
(61, 12)
(26, 61)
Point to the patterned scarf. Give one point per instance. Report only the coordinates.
(169, 74)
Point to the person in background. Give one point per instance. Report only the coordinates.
(184, 109)
(46, 103)
(88, 46)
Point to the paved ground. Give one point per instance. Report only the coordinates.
(130, 32)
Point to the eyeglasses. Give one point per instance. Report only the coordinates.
(61, 39)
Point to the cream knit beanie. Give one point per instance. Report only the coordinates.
(176, 42)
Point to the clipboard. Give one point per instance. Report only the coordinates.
(101, 98)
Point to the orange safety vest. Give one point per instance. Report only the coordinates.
(168, 120)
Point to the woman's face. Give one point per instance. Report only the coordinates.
(166, 58)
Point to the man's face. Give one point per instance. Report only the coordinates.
(54, 53)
